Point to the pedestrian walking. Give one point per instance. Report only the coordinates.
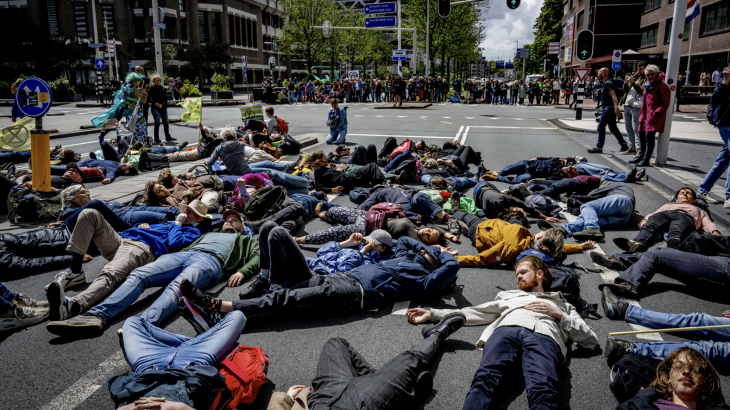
(721, 101)
(611, 112)
(653, 113)
(633, 100)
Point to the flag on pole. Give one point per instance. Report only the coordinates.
(693, 10)
(195, 109)
(252, 112)
(17, 136)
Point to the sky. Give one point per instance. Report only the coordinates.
(506, 26)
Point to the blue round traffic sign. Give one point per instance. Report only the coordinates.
(34, 97)
(616, 66)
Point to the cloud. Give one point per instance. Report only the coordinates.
(505, 26)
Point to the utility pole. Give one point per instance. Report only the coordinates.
(158, 43)
(400, 64)
(581, 85)
(428, 36)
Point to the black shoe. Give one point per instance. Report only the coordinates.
(423, 388)
(640, 174)
(631, 177)
(613, 307)
(455, 202)
(644, 163)
(595, 151)
(183, 144)
(615, 349)
(192, 293)
(606, 261)
(170, 139)
(92, 155)
(637, 247)
(448, 325)
(622, 243)
(257, 286)
(636, 160)
(674, 243)
(624, 148)
(623, 289)
(545, 225)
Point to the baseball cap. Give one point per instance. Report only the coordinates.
(380, 237)
(198, 207)
(229, 212)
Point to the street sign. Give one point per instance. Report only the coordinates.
(444, 8)
(100, 73)
(100, 64)
(616, 66)
(500, 64)
(327, 31)
(554, 47)
(380, 8)
(108, 54)
(523, 53)
(159, 25)
(582, 73)
(354, 75)
(130, 66)
(38, 97)
(372, 22)
(96, 45)
(243, 60)
(400, 55)
(616, 57)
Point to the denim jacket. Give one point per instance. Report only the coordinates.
(343, 119)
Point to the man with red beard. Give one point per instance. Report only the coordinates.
(530, 325)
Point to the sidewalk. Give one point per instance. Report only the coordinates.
(694, 131)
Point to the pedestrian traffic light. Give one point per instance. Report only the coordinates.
(272, 65)
(445, 8)
(584, 48)
(513, 4)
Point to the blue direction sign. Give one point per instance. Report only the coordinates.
(380, 8)
(96, 45)
(372, 22)
(159, 25)
(34, 97)
(100, 64)
(616, 66)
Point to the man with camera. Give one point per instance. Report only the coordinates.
(337, 121)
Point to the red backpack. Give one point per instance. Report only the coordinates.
(245, 372)
(404, 147)
(282, 126)
(378, 213)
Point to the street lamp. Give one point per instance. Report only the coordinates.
(275, 47)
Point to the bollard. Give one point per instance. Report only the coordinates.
(40, 155)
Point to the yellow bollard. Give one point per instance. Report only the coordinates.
(40, 155)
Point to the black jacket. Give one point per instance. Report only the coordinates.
(644, 400)
(35, 251)
(157, 95)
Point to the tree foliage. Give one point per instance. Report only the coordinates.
(547, 29)
(168, 54)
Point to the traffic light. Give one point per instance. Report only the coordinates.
(445, 8)
(584, 47)
(513, 4)
(272, 64)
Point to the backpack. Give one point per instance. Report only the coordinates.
(704, 244)
(264, 202)
(359, 195)
(631, 374)
(245, 372)
(566, 281)
(31, 205)
(92, 174)
(150, 161)
(290, 146)
(282, 126)
(269, 149)
(408, 165)
(378, 213)
(404, 147)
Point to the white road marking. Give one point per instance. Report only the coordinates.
(402, 116)
(400, 308)
(446, 122)
(424, 116)
(469, 118)
(456, 138)
(397, 136)
(358, 115)
(447, 117)
(463, 139)
(378, 116)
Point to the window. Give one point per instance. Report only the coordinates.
(52, 17)
(718, 17)
(244, 32)
(579, 24)
(231, 29)
(203, 27)
(652, 4)
(565, 28)
(250, 30)
(668, 30)
(183, 29)
(139, 31)
(238, 31)
(572, 4)
(216, 32)
(82, 30)
(649, 35)
(181, 5)
(254, 27)
(108, 15)
(265, 18)
(565, 8)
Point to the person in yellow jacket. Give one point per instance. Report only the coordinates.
(501, 241)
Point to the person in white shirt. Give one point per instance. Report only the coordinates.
(271, 123)
(717, 76)
(556, 91)
(529, 325)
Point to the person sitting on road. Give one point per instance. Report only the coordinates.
(125, 252)
(684, 379)
(110, 168)
(529, 325)
(542, 167)
(115, 149)
(681, 218)
(204, 263)
(416, 271)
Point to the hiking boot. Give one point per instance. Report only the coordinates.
(707, 198)
(448, 325)
(630, 151)
(57, 302)
(401, 178)
(613, 307)
(21, 316)
(640, 174)
(595, 151)
(199, 318)
(455, 202)
(589, 234)
(606, 261)
(254, 289)
(424, 387)
(615, 349)
(183, 144)
(624, 289)
(25, 300)
(454, 227)
(674, 242)
(68, 279)
(545, 225)
(77, 326)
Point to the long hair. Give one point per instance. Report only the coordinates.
(439, 183)
(150, 198)
(551, 243)
(710, 391)
(309, 159)
(509, 213)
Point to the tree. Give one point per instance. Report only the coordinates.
(195, 57)
(547, 28)
(217, 54)
(300, 39)
(168, 54)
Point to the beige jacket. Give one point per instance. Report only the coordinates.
(508, 310)
(282, 401)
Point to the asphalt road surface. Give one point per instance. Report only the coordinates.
(40, 370)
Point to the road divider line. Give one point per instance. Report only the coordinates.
(463, 139)
(396, 136)
(456, 138)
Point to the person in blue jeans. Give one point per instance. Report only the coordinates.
(337, 121)
(613, 210)
(611, 112)
(721, 100)
(416, 205)
(541, 167)
(203, 263)
(457, 183)
(586, 168)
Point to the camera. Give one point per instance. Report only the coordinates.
(335, 120)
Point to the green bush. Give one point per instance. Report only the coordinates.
(220, 82)
(189, 90)
(4, 87)
(60, 86)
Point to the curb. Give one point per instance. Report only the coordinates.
(90, 129)
(556, 122)
(387, 106)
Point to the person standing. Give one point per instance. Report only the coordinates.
(680, 85)
(575, 95)
(556, 91)
(522, 90)
(611, 112)
(721, 101)
(157, 100)
(634, 97)
(717, 77)
(457, 87)
(292, 95)
(567, 90)
(398, 89)
(705, 79)
(653, 113)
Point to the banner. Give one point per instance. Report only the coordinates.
(17, 136)
(195, 109)
(254, 111)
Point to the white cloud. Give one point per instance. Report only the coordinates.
(506, 26)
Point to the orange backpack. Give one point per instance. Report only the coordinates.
(245, 372)
(282, 126)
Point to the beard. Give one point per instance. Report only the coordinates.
(228, 229)
(527, 286)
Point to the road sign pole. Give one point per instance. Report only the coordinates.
(400, 63)
(158, 43)
(428, 36)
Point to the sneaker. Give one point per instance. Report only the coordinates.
(401, 178)
(615, 349)
(630, 151)
(595, 151)
(57, 302)
(640, 174)
(455, 203)
(258, 286)
(77, 326)
(446, 326)
(198, 297)
(674, 242)
(613, 307)
(606, 261)
(726, 205)
(707, 198)
(200, 319)
(624, 289)
(454, 227)
(22, 316)
(545, 225)
(424, 387)
(25, 300)
(69, 279)
(589, 234)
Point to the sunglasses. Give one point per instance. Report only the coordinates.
(650, 74)
(73, 170)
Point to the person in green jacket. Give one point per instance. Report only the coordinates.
(203, 263)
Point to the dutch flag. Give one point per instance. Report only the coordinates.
(693, 10)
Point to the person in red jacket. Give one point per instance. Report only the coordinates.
(653, 113)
